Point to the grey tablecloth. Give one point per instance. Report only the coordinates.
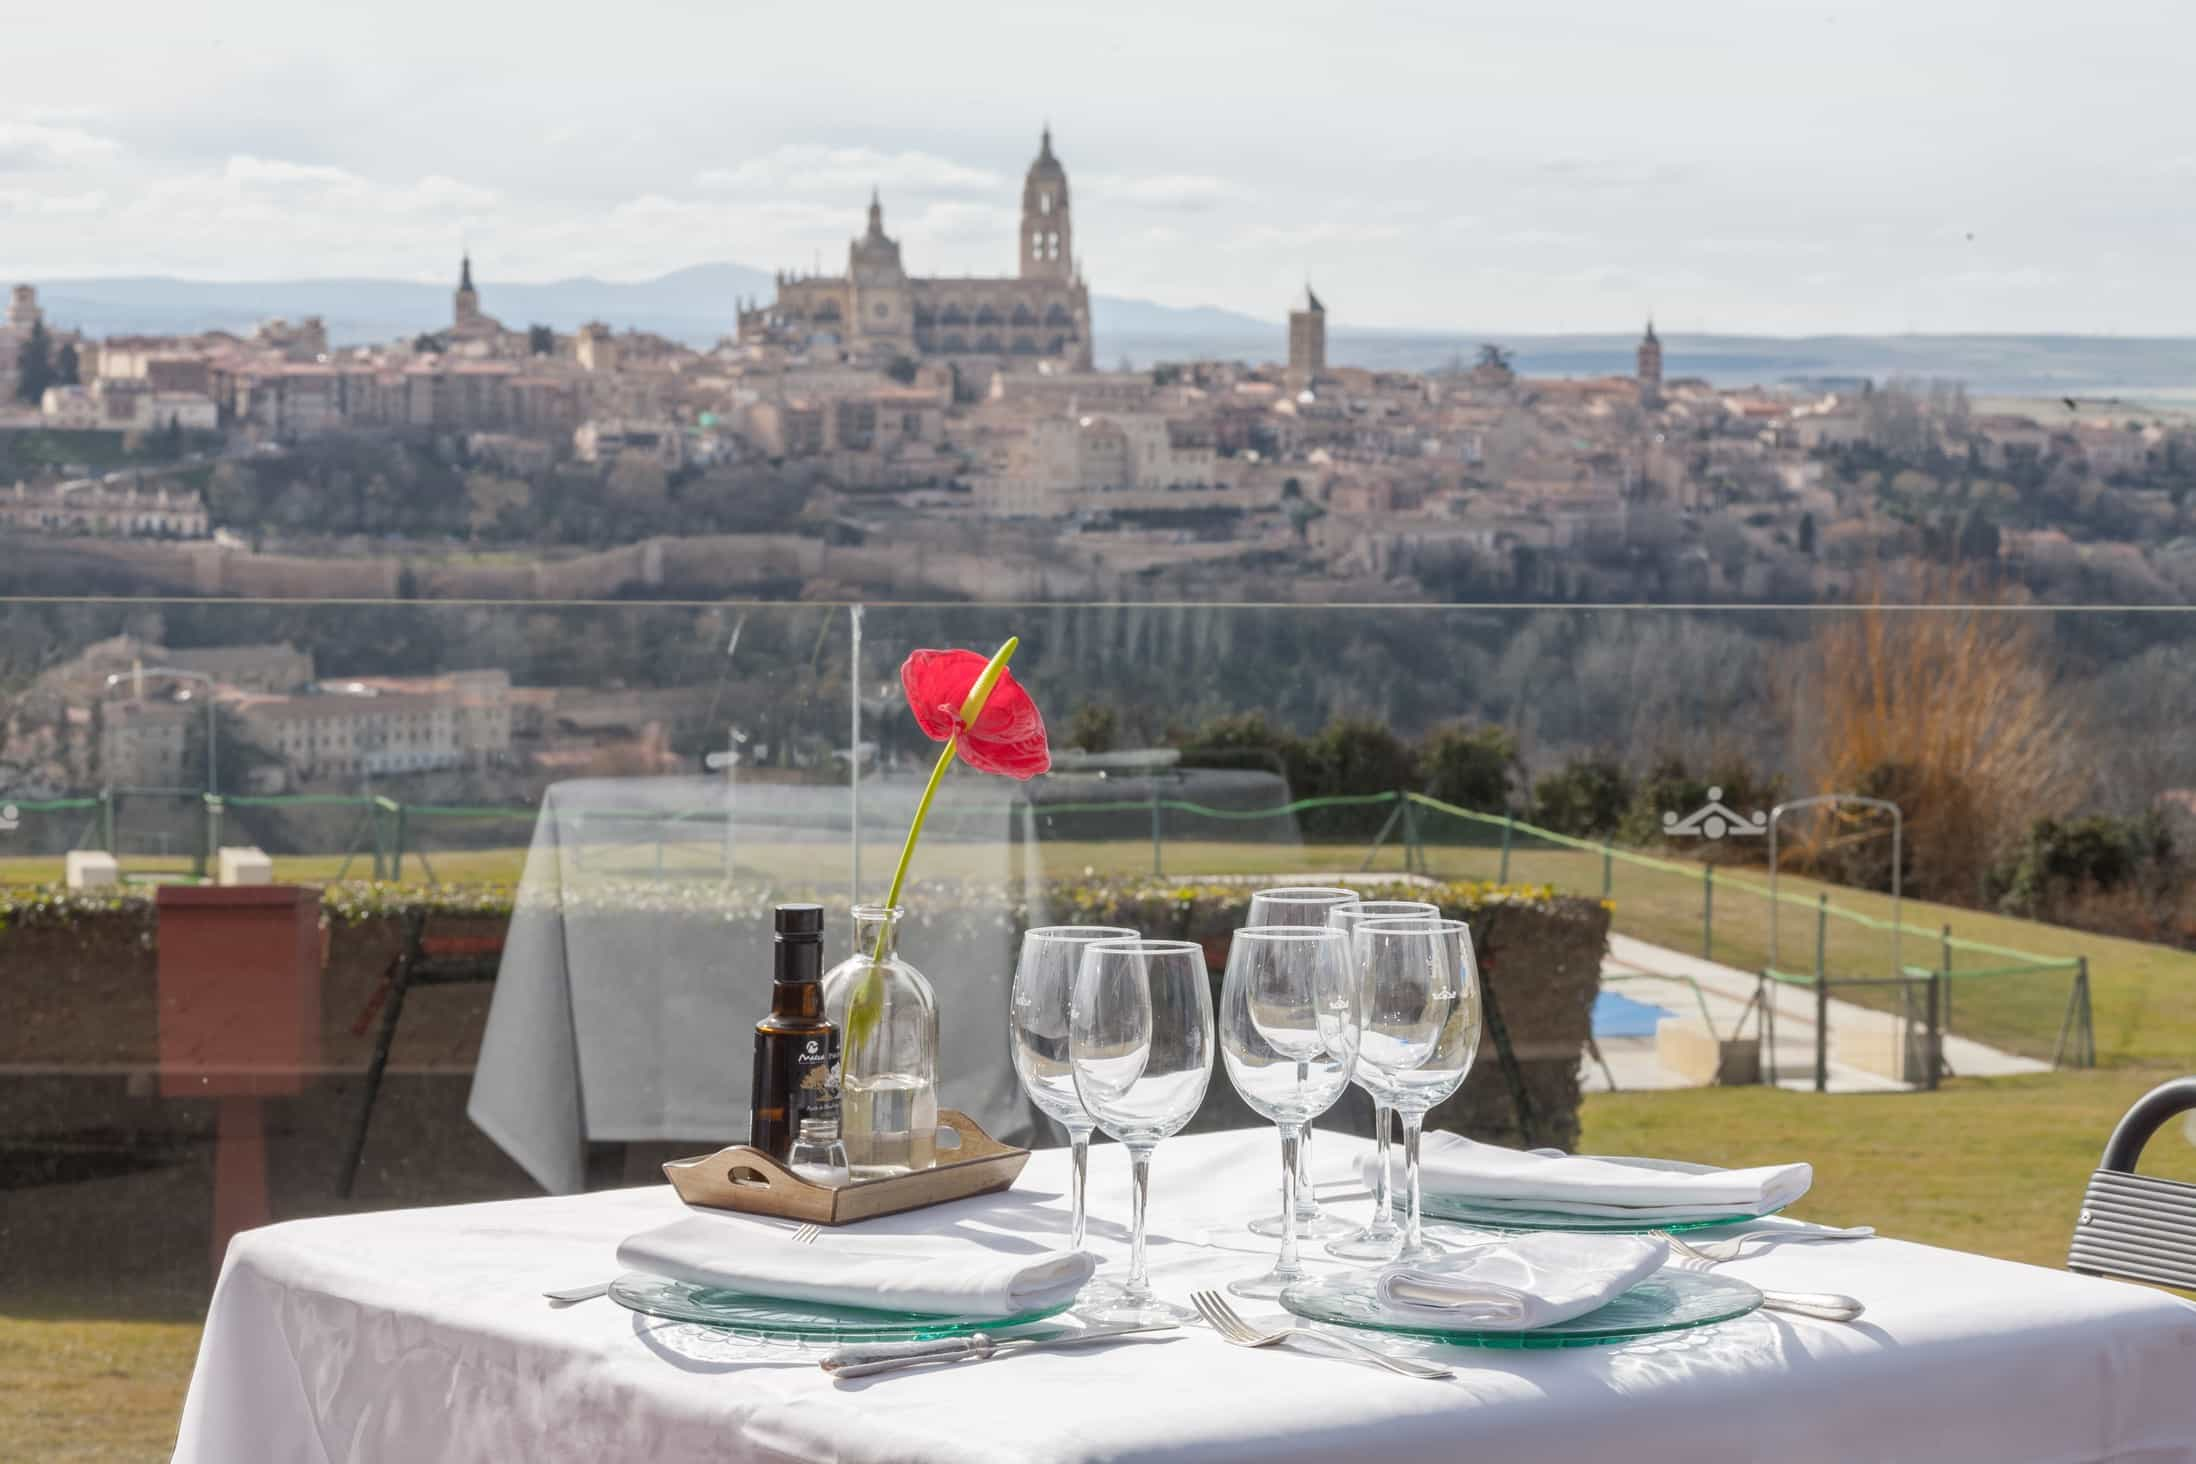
(625, 1005)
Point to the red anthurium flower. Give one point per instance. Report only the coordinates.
(1008, 736)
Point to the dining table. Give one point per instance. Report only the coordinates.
(419, 1335)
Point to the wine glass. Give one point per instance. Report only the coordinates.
(1288, 1031)
(1378, 1240)
(1044, 987)
(1140, 1048)
(1418, 986)
(1301, 905)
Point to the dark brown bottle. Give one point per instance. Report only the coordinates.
(796, 1047)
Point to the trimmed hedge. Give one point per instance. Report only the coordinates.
(77, 967)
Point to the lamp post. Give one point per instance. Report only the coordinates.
(174, 673)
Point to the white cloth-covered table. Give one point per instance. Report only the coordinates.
(420, 1335)
(625, 1006)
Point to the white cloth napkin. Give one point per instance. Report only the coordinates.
(954, 1278)
(1643, 1189)
(1523, 1282)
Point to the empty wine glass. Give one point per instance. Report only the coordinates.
(1379, 1239)
(1288, 1031)
(1301, 905)
(1140, 1047)
(1044, 988)
(1418, 986)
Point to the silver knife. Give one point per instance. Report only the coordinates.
(876, 1357)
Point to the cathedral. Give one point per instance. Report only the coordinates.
(1042, 312)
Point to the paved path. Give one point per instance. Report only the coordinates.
(1659, 977)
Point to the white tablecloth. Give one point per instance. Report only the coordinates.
(618, 1020)
(420, 1335)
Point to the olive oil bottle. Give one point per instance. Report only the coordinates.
(796, 1047)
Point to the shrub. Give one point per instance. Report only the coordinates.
(1586, 798)
(1957, 710)
(2059, 861)
(1248, 740)
(1469, 765)
(1352, 756)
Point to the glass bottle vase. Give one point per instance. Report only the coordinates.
(888, 1077)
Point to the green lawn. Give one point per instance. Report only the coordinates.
(1995, 1166)
(81, 1390)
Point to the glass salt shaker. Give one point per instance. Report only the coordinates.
(818, 1154)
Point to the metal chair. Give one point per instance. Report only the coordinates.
(2134, 1226)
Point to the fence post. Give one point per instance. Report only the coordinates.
(1822, 997)
(2089, 1025)
(1608, 861)
(397, 872)
(1765, 1065)
(1944, 939)
(1380, 840)
(1155, 824)
(1933, 1053)
(106, 819)
(1414, 848)
(2076, 1024)
(1707, 912)
(213, 833)
(1504, 876)
(381, 857)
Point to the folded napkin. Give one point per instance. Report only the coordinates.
(1523, 1282)
(1648, 1190)
(939, 1278)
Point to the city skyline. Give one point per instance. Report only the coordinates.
(1734, 169)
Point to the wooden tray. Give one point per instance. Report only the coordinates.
(748, 1180)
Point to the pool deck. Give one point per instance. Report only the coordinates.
(1670, 979)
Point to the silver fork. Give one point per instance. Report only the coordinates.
(1732, 1248)
(1828, 1306)
(1214, 1308)
(804, 1235)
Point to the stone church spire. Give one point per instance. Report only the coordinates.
(465, 305)
(1048, 242)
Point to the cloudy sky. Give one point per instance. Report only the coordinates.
(1743, 165)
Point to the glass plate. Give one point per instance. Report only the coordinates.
(1668, 1301)
(779, 1319)
(1503, 1217)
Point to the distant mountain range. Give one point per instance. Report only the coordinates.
(695, 305)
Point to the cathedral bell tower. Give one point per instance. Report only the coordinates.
(1047, 241)
(465, 305)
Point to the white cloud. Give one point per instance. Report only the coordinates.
(1544, 238)
(29, 146)
(249, 171)
(2027, 277)
(1187, 192)
(1332, 230)
(963, 221)
(1737, 247)
(27, 201)
(805, 167)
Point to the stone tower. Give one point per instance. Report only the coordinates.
(1047, 241)
(465, 310)
(1308, 338)
(1650, 361)
(880, 303)
(23, 311)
